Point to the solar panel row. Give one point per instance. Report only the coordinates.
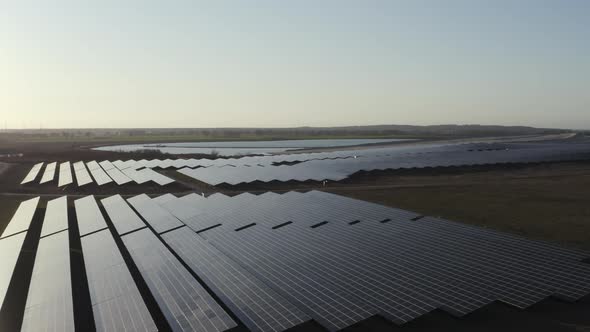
(334, 166)
(116, 302)
(12, 241)
(32, 175)
(82, 176)
(391, 158)
(65, 174)
(49, 305)
(99, 175)
(103, 173)
(49, 173)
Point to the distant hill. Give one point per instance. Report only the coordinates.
(204, 134)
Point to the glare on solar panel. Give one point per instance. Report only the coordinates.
(49, 173)
(89, 217)
(65, 174)
(21, 220)
(82, 175)
(49, 304)
(10, 249)
(32, 175)
(56, 216)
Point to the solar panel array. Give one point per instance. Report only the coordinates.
(275, 261)
(345, 163)
(333, 166)
(103, 173)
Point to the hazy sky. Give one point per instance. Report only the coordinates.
(120, 63)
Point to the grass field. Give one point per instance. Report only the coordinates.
(546, 202)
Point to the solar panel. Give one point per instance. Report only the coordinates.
(135, 175)
(158, 178)
(164, 199)
(121, 214)
(116, 301)
(56, 216)
(186, 305)
(115, 173)
(49, 304)
(65, 174)
(329, 302)
(82, 175)
(89, 217)
(32, 175)
(258, 306)
(10, 249)
(21, 220)
(278, 260)
(106, 165)
(186, 212)
(49, 173)
(336, 166)
(100, 177)
(157, 217)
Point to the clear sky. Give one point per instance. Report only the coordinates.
(255, 63)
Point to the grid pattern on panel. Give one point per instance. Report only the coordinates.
(258, 306)
(49, 303)
(32, 175)
(116, 301)
(186, 305)
(89, 217)
(157, 217)
(327, 301)
(99, 175)
(121, 214)
(56, 216)
(21, 220)
(115, 173)
(187, 210)
(9, 251)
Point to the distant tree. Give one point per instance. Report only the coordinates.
(214, 153)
